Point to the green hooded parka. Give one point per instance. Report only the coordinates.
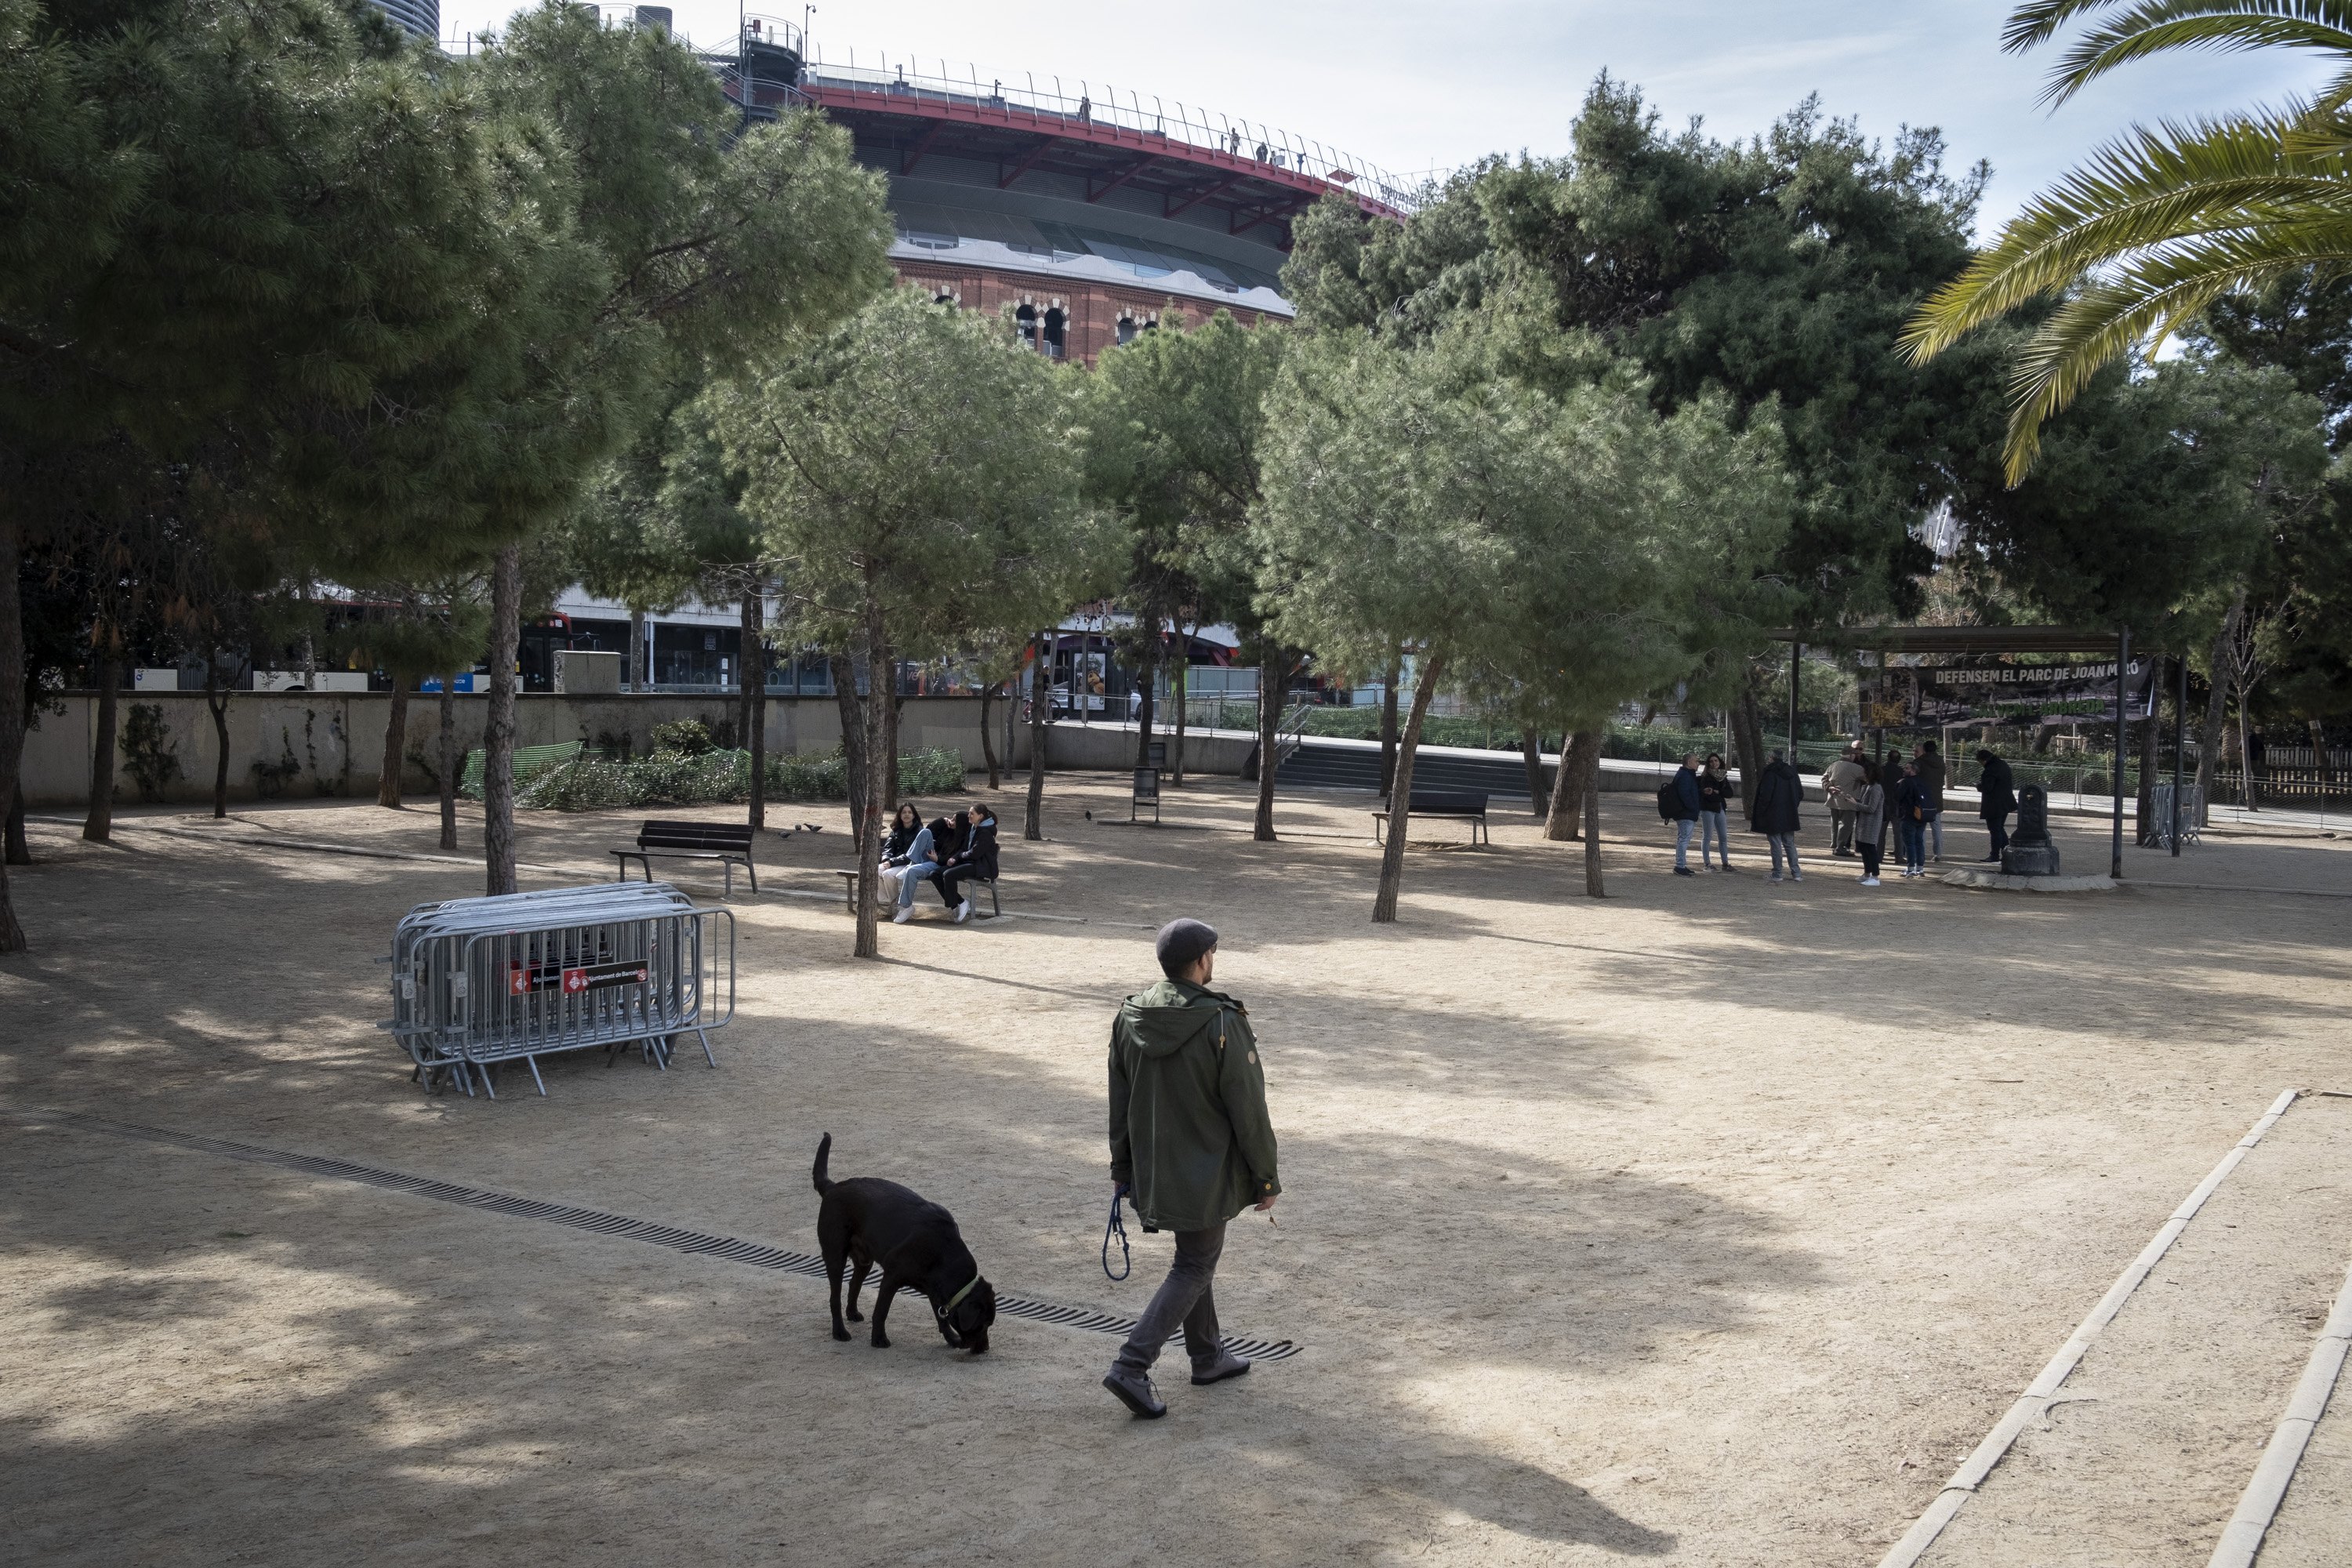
(1189, 1131)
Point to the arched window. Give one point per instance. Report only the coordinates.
(1127, 329)
(1024, 322)
(1056, 332)
(943, 295)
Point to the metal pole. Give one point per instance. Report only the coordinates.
(2123, 658)
(2179, 738)
(1796, 653)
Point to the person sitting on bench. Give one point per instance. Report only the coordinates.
(899, 845)
(926, 863)
(975, 857)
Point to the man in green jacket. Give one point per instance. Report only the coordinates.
(1191, 1146)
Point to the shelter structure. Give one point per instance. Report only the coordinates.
(1998, 640)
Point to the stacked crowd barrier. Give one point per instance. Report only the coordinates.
(480, 982)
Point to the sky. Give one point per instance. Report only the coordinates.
(1429, 87)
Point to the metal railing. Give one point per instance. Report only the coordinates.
(478, 981)
(1095, 103)
(1101, 103)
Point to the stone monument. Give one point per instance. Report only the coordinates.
(2030, 853)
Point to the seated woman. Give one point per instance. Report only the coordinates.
(933, 846)
(974, 857)
(899, 845)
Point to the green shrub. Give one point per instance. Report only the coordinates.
(718, 777)
(685, 737)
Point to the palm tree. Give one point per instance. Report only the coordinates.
(2164, 221)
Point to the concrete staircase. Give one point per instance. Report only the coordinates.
(1322, 764)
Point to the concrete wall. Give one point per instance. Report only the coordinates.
(331, 743)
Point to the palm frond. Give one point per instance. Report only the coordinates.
(2155, 27)
(2151, 189)
(2148, 299)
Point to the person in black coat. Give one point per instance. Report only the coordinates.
(976, 856)
(1997, 795)
(1773, 813)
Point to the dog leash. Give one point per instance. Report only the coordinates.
(1117, 1228)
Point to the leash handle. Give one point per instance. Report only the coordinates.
(1117, 1228)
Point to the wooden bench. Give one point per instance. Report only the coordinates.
(849, 892)
(729, 843)
(1465, 805)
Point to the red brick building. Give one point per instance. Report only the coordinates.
(1091, 216)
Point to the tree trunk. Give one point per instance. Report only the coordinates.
(988, 740)
(1531, 753)
(1425, 686)
(2144, 809)
(636, 651)
(98, 826)
(1180, 689)
(2319, 753)
(2209, 734)
(1747, 738)
(396, 743)
(879, 701)
(882, 682)
(499, 729)
(1041, 714)
(1561, 824)
(450, 762)
(1592, 888)
(1273, 680)
(1145, 709)
(19, 849)
(2245, 750)
(755, 704)
(216, 702)
(1389, 723)
(11, 707)
(853, 743)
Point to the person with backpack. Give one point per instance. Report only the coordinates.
(1911, 821)
(1678, 804)
(1773, 813)
(1714, 811)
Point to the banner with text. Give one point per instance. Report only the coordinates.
(1990, 691)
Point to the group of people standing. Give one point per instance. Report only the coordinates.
(1899, 795)
(1871, 802)
(949, 853)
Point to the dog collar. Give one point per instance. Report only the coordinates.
(958, 1297)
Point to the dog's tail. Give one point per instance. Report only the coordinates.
(823, 1183)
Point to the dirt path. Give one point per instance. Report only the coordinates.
(1710, 1224)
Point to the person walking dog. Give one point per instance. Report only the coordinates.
(1191, 1146)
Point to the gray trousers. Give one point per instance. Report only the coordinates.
(1184, 1297)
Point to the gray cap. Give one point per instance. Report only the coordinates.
(1181, 942)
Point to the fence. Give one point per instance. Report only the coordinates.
(479, 982)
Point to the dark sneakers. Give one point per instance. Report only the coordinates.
(1227, 1365)
(1135, 1391)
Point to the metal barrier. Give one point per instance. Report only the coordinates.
(2192, 807)
(476, 982)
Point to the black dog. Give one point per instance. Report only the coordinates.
(870, 1222)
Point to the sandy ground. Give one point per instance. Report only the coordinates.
(1710, 1224)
